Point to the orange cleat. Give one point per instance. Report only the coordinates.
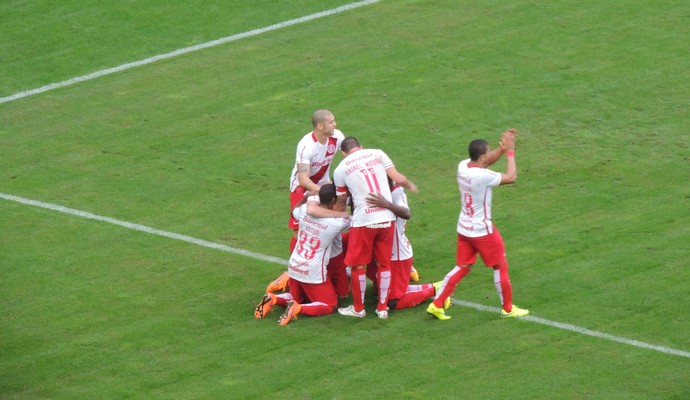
(278, 285)
(265, 306)
(291, 311)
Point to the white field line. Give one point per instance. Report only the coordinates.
(258, 256)
(185, 50)
(243, 252)
(580, 330)
(143, 228)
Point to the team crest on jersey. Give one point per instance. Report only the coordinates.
(331, 149)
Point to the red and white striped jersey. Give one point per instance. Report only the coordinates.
(318, 156)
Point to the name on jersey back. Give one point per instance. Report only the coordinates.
(369, 163)
(314, 224)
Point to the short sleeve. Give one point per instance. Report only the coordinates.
(491, 178)
(385, 160)
(304, 153)
(299, 212)
(339, 182)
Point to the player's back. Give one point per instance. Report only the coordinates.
(363, 172)
(312, 253)
(476, 192)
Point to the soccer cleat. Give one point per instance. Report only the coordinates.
(437, 288)
(265, 306)
(349, 311)
(514, 312)
(383, 314)
(278, 285)
(439, 313)
(414, 275)
(293, 308)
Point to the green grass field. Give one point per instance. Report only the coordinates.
(596, 228)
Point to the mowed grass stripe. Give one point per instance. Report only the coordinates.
(186, 50)
(277, 260)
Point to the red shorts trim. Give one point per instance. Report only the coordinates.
(490, 247)
(295, 197)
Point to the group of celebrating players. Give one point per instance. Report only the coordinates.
(334, 250)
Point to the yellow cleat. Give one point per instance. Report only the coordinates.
(514, 312)
(439, 313)
(278, 285)
(291, 312)
(437, 289)
(414, 275)
(447, 303)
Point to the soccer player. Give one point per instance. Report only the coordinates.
(476, 232)
(307, 266)
(401, 293)
(313, 158)
(363, 172)
(314, 155)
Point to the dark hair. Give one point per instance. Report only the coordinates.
(477, 148)
(327, 194)
(349, 143)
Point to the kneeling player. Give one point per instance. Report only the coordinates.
(310, 291)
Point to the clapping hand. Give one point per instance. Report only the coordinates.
(508, 140)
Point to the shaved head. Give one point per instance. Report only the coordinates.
(320, 117)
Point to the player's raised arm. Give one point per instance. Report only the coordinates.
(401, 179)
(508, 145)
(493, 155)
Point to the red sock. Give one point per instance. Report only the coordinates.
(503, 286)
(283, 298)
(358, 283)
(411, 299)
(449, 283)
(418, 288)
